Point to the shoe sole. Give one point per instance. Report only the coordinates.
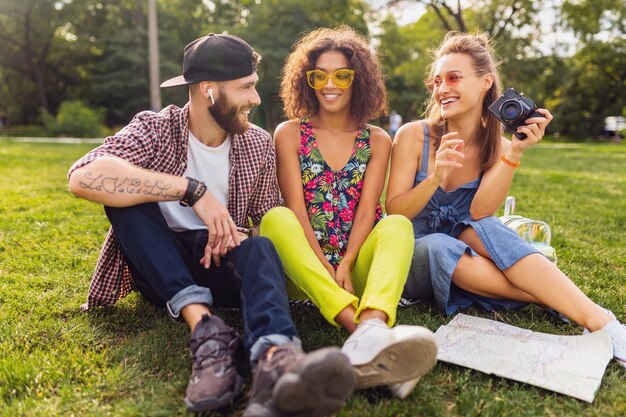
(318, 387)
(399, 362)
(402, 390)
(215, 403)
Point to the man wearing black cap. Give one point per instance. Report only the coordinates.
(180, 188)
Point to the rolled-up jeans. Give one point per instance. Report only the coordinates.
(166, 269)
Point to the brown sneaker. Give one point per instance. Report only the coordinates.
(215, 351)
(293, 383)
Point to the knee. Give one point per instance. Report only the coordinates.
(258, 247)
(433, 243)
(421, 247)
(397, 226)
(134, 217)
(139, 209)
(275, 219)
(259, 254)
(257, 243)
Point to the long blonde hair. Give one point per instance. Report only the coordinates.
(478, 49)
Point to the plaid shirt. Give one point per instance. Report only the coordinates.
(159, 142)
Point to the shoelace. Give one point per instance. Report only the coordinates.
(223, 349)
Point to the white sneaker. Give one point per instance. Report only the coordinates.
(382, 356)
(402, 390)
(608, 313)
(617, 331)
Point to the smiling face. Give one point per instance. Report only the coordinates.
(458, 88)
(331, 97)
(233, 103)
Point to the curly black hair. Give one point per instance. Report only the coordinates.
(369, 95)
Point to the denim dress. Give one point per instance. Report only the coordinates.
(438, 250)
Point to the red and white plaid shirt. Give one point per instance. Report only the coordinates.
(159, 142)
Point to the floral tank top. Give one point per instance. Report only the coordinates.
(331, 197)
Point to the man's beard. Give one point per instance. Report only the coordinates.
(227, 116)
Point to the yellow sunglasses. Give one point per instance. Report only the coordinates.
(342, 78)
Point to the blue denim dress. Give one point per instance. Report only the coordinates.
(438, 251)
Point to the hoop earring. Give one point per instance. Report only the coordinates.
(210, 93)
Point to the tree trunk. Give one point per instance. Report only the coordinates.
(39, 73)
(140, 38)
(37, 68)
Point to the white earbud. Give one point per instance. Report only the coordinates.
(210, 93)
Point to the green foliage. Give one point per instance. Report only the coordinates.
(588, 18)
(132, 359)
(406, 56)
(406, 49)
(53, 51)
(29, 47)
(592, 88)
(75, 119)
(119, 68)
(580, 90)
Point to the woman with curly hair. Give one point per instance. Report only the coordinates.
(337, 248)
(450, 174)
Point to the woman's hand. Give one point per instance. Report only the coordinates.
(343, 277)
(231, 244)
(448, 155)
(329, 267)
(534, 129)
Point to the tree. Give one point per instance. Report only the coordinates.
(31, 32)
(590, 19)
(494, 17)
(512, 27)
(405, 53)
(593, 80)
(449, 15)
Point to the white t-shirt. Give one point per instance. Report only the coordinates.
(204, 163)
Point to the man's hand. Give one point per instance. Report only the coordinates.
(221, 227)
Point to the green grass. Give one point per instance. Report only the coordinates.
(132, 360)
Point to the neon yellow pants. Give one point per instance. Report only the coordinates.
(378, 275)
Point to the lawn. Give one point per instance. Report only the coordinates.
(132, 360)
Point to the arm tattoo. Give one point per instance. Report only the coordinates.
(125, 185)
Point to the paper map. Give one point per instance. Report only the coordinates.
(570, 365)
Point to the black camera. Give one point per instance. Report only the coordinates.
(512, 109)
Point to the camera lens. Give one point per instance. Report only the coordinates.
(510, 110)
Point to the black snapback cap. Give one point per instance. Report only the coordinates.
(215, 57)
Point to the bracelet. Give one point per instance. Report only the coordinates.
(509, 163)
(246, 231)
(195, 191)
